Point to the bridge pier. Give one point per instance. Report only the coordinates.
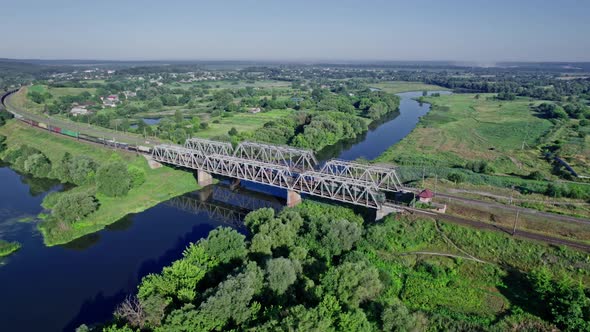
(293, 198)
(204, 179)
(384, 211)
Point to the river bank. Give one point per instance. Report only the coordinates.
(160, 184)
(110, 262)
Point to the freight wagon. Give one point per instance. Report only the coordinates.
(42, 125)
(142, 148)
(69, 133)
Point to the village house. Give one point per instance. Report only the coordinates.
(79, 110)
(425, 196)
(129, 94)
(110, 101)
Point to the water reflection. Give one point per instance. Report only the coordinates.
(82, 243)
(225, 205)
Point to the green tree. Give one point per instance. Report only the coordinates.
(354, 321)
(82, 170)
(61, 169)
(72, 207)
(225, 245)
(339, 237)
(353, 283)
(38, 165)
(137, 175)
(280, 274)
(258, 217)
(178, 117)
(397, 317)
(196, 122)
(112, 179)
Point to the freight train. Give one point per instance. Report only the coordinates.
(74, 134)
(85, 137)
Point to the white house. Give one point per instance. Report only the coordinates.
(79, 110)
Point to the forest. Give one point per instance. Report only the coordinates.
(318, 267)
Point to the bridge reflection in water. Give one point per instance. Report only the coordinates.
(225, 204)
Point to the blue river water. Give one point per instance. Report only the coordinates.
(58, 288)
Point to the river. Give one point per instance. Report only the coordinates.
(58, 288)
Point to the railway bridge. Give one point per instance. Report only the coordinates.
(295, 170)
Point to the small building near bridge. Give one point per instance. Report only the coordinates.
(425, 196)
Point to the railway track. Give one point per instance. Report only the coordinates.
(519, 233)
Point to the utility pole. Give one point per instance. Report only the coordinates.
(423, 170)
(435, 183)
(515, 222)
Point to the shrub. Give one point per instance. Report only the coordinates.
(38, 165)
(456, 177)
(137, 176)
(112, 179)
(480, 166)
(72, 207)
(536, 175)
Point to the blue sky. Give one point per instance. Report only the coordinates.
(460, 30)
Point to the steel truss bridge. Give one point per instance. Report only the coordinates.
(295, 170)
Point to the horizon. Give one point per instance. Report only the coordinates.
(459, 63)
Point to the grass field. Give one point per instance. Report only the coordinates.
(413, 259)
(21, 100)
(161, 184)
(241, 121)
(397, 87)
(59, 92)
(461, 128)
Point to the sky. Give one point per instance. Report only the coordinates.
(480, 31)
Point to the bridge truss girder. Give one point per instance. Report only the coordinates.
(343, 189)
(384, 178)
(294, 158)
(338, 188)
(206, 146)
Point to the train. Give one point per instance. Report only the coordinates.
(85, 137)
(74, 134)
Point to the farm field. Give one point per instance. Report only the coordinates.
(59, 91)
(242, 122)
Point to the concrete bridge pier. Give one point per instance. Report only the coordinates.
(385, 211)
(293, 198)
(204, 179)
